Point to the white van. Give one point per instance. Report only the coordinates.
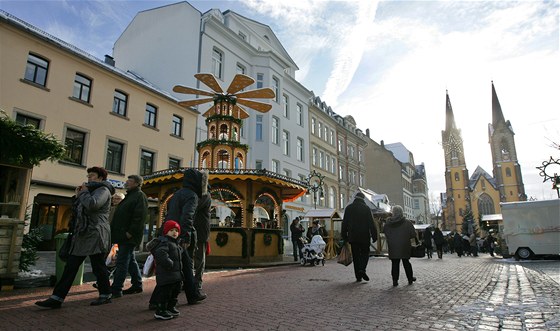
(532, 228)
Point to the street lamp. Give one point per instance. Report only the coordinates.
(315, 186)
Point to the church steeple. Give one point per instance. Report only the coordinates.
(450, 119)
(497, 115)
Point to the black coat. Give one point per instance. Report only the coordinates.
(297, 231)
(357, 225)
(427, 238)
(130, 216)
(167, 256)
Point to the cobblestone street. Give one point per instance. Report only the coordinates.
(466, 293)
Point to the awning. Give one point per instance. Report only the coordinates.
(322, 213)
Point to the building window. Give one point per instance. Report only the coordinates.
(332, 198)
(150, 117)
(259, 128)
(287, 173)
(360, 155)
(276, 88)
(299, 115)
(174, 163)
(342, 200)
(24, 120)
(321, 159)
(327, 161)
(114, 158)
(258, 164)
(333, 165)
(120, 101)
(299, 149)
(36, 70)
(146, 162)
(340, 146)
(286, 142)
(275, 166)
(82, 88)
(331, 139)
(456, 176)
(177, 126)
(240, 69)
(313, 125)
(362, 180)
(485, 205)
(223, 159)
(314, 156)
(286, 101)
(260, 80)
(74, 142)
(320, 129)
(340, 172)
(508, 172)
(217, 63)
(326, 133)
(275, 130)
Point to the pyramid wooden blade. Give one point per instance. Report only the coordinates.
(262, 93)
(190, 90)
(242, 113)
(190, 103)
(258, 106)
(239, 82)
(208, 113)
(210, 81)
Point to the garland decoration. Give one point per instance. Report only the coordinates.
(222, 239)
(267, 239)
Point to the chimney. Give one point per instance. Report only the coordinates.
(367, 133)
(382, 144)
(109, 60)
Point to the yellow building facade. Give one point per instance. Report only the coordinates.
(105, 117)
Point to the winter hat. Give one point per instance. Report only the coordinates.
(168, 225)
(360, 195)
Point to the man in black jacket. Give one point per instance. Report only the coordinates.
(127, 230)
(187, 205)
(357, 229)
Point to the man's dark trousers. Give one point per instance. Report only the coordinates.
(360, 257)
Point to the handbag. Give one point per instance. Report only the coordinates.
(418, 250)
(149, 266)
(345, 256)
(64, 251)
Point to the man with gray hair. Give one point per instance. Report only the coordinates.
(127, 230)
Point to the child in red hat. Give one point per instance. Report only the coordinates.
(167, 255)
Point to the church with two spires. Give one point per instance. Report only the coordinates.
(480, 193)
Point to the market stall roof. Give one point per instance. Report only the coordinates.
(291, 188)
(422, 226)
(323, 213)
(492, 218)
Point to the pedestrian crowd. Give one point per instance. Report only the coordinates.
(102, 219)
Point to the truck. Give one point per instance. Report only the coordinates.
(532, 228)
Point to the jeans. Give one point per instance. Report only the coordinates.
(395, 269)
(198, 260)
(360, 257)
(126, 263)
(297, 249)
(168, 295)
(73, 264)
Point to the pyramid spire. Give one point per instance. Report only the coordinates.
(497, 115)
(450, 118)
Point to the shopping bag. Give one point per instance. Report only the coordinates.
(418, 250)
(111, 259)
(345, 256)
(149, 266)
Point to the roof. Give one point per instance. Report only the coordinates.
(322, 213)
(479, 172)
(492, 217)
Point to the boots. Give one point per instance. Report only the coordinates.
(162, 313)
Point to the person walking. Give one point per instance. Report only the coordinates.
(458, 244)
(427, 237)
(490, 244)
(398, 232)
(201, 224)
(167, 255)
(297, 231)
(439, 240)
(357, 229)
(127, 230)
(473, 244)
(182, 207)
(90, 237)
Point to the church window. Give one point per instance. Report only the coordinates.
(456, 176)
(508, 172)
(458, 196)
(223, 159)
(485, 205)
(460, 211)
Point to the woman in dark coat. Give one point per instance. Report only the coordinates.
(91, 237)
(399, 231)
(440, 241)
(458, 244)
(297, 231)
(428, 241)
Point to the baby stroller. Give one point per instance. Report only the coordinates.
(314, 252)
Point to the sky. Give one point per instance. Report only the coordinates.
(389, 65)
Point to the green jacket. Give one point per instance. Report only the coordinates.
(130, 216)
